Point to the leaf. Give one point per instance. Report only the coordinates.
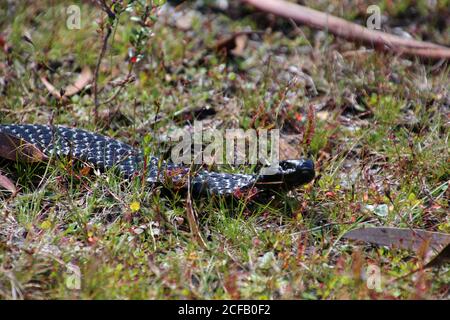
(8, 185)
(53, 91)
(184, 22)
(234, 44)
(381, 210)
(85, 171)
(84, 78)
(266, 261)
(13, 148)
(241, 43)
(410, 239)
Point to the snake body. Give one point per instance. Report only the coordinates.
(105, 153)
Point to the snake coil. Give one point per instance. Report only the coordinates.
(105, 153)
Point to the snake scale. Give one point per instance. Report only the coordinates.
(105, 153)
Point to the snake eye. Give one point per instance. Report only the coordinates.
(289, 166)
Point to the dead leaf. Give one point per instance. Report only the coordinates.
(234, 44)
(410, 239)
(53, 91)
(84, 78)
(8, 185)
(13, 148)
(184, 21)
(323, 115)
(241, 43)
(85, 171)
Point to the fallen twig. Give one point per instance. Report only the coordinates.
(129, 78)
(97, 68)
(192, 217)
(351, 31)
(111, 16)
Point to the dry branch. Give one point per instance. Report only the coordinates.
(7, 184)
(351, 31)
(192, 217)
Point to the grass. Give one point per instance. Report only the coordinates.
(380, 138)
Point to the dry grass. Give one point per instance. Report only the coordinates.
(379, 136)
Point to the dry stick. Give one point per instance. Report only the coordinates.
(97, 68)
(106, 8)
(351, 31)
(112, 17)
(129, 78)
(191, 216)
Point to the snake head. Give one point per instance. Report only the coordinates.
(288, 174)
